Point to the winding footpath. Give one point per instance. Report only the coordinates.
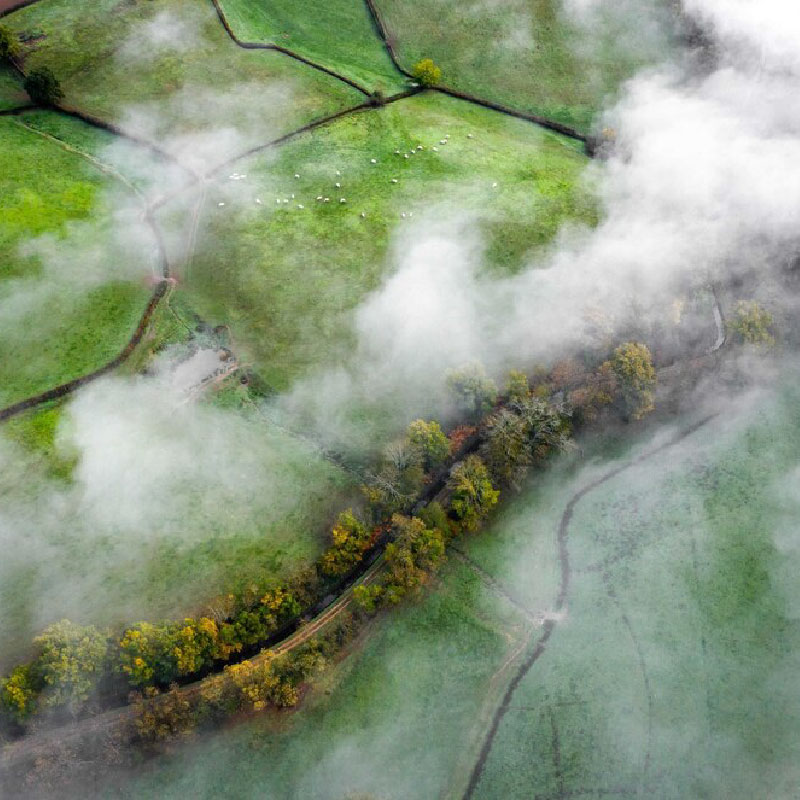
(561, 601)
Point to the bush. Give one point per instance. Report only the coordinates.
(753, 324)
(72, 661)
(426, 72)
(158, 717)
(474, 392)
(9, 44)
(147, 654)
(430, 442)
(472, 493)
(43, 87)
(636, 378)
(19, 692)
(368, 597)
(350, 542)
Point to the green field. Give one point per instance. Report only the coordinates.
(77, 269)
(11, 91)
(106, 537)
(169, 72)
(290, 302)
(339, 34)
(527, 54)
(672, 674)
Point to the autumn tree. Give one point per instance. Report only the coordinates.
(368, 597)
(19, 692)
(9, 44)
(473, 391)
(147, 654)
(517, 387)
(426, 72)
(636, 378)
(429, 440)
(350, 542)
(72, 660)
(43, 87)
(158, 717)
(471, 491)
(415, 552)
(398, 479)
(505, 451)
(753, 324)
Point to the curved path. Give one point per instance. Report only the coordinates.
(566, 575)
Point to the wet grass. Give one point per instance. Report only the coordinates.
(518, 182)
(109, 62)
(49, 295)
(528, 55)
(339, 35)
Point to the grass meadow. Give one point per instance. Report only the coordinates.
(672, 674)
(527, 54)
(339, 35)
(518, 182)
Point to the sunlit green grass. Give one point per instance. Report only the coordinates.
(524, 53)
(339, 34)
(212, 538)
(56, 324)
(287, 279)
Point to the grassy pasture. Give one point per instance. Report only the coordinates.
(170, 72)
(527, 54)
(211, 537)
(339, 34)
(47, 191)
(673, 674)
(259, 267)
(682, 647)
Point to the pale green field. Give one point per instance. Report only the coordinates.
(339, 34)
(672, 676)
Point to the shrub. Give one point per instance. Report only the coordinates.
(472, 493)
(517, 387)
(636, 378)
(147, 654)
(9, 44)
(350, 541)
(19, 692)
(368, 597)
(474, 392)
(753, 324)
(430, 442)
(426, 72)
(43, 87)
(72, 661)
(158, 717)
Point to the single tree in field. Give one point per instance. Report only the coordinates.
(43, 87)
(426, 72)
(636, 378)
(9, 44)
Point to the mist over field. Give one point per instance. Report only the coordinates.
(684, 567)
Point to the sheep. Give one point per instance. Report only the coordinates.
(338, 185)
(373, 161)
(394, 180)
(343, 200)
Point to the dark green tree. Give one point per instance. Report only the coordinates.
(43, 87)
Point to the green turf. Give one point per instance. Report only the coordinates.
(339, 34)
(213, 533)
(12, 94)
(199, 82)
(48, 298)
(674, 672)
(524, 53)
(290, 302)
